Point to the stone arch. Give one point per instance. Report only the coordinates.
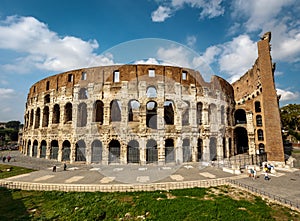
(31, 117)
(97, 149)
(199, 149)
(261, 148)
(186, 150)
(169, 151)
(133, 110)
(115, 111)
(241, 140)
(43, 149)
(37, 118)
(56, 114)
(222, 114)
(185, 113)
(80, 151)
(47, 99)
(260, 135)
(199, 113)
(35, 148)
(114, 151)
(212, 114)
(28, 147)
(83, 94)
(68, 112)
(257, 106)
(151, 151)
(259, 121)
(54, 149)
(133, 152)
(82, 115)
(45, 117)
(213, 148)
(151, 92)
(151, 114)
(98, 111)
(66, 150)
(240, 116)
(169, 112)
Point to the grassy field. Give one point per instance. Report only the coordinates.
(7, 170)
(221, 203)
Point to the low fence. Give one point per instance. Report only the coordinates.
(266, 194)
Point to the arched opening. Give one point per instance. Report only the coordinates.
(47, 99)
(222, 115)
(169, 151)
(54, 150)
(257, 107)
(133, 110)
(68, 112)
(83, 94)
(151, 151)
(199, 149)
(114, 151)
(37, 118)
(66, 150)
(98, 111)
(28, 147)
(82, 115)
(169, 112)
(259, 121)
(56, 114)
(115, 111)
(260, 134)
(240, 116)
(213, 148)
(31, 118)
(133, 152)
(241, 140)
(199, 113)
(45, 117)
(261, 148)
(43, 149)
(212, 114)
(151, 92)
(151, 114)
(97, 151)
(186, 150)
(80, 151)
(224, 148)
(185, 113)
(35, 148)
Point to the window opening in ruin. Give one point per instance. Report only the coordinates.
(230, 147)
(31, 118)
(185, 113)
(151, 92)
(212, 114)
(37, 118)
(257, 107)
(133, 110)
(224, 148)
(133, 152)
(45, 117)
(97, 151)
(83, 76)
(66, 150)
(114, 152)
(151, 73)
(184, 75)
(116, 76)
(212, 148)
(47, 99)
(68, 112)
(151, 151)
(98, 111)
(80, 151)
(240, 116)
(43, 149)
(82, 115)
(54, 150)
(169, 112)
(259, 121)
(222, 115)
(228, 114)
(56, 114)
(241, 140)
(260, 135)
(199, 113)
(186, 151)
(35, 148)
(199, 149)
(169, 151)
(70, 77)
(83, 93)
(47, 85)
(151, 114)
(115, 111)
(34, 88)
(261, 148)
(28, 148)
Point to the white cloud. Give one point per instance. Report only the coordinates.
(177, 55)
(43, 49)
(148, 61)
(161, 14)
(208, 8)
(191, 40)
(287, 95)
(6, 92)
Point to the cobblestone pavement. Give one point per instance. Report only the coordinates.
(284, 183)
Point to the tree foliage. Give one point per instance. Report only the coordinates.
(290, 119)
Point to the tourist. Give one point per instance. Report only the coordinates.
(54, 168)
(8, 158)
(267, 176)
(65, 166)
(3, 159)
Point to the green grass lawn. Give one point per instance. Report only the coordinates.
(221, 203)
(7, 170)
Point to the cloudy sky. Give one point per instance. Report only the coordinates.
(42, 38)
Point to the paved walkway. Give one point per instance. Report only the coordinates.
(285, 183)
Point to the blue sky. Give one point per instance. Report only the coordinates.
(42, 38)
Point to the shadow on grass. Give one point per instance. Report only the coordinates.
(10, 208)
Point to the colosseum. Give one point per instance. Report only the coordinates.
(141, 114)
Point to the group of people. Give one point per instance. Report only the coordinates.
(267, 169)
(8, 158)
(54, 167)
